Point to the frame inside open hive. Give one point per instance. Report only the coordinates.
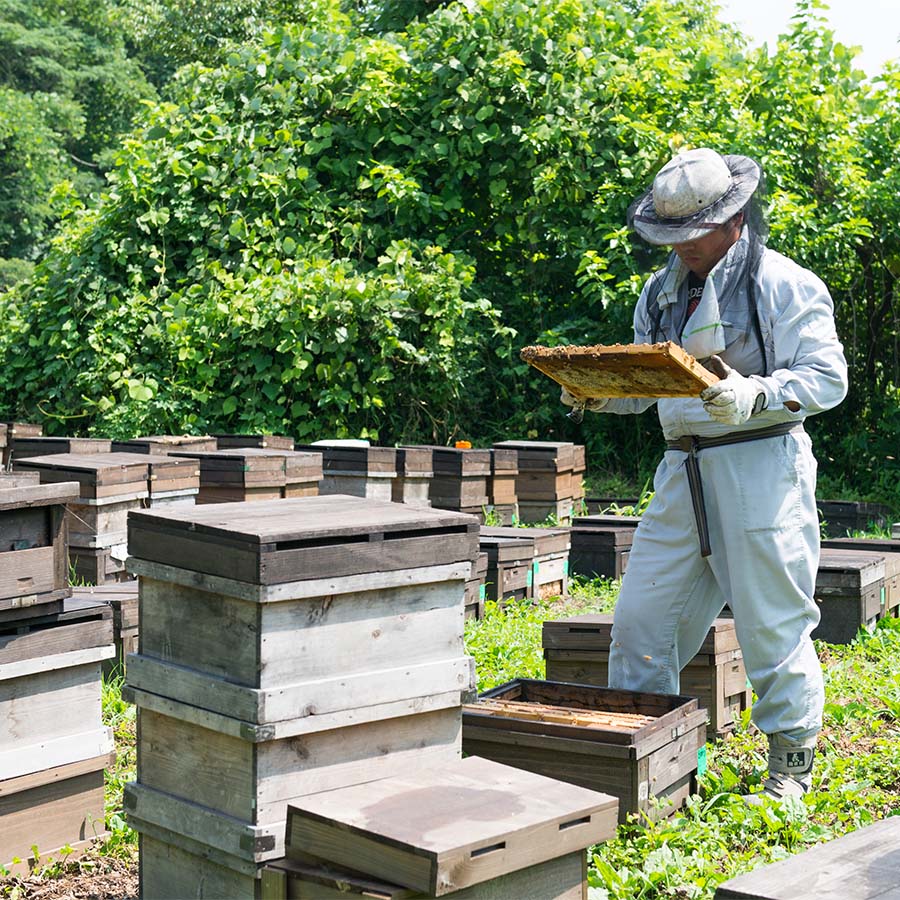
(622, 370)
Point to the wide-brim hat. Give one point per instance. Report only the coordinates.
(693, 193)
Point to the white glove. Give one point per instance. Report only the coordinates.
(734, 399)
(594, 404)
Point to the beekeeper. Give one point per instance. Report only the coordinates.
(734, 515)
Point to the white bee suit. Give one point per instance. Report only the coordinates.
(759, 497)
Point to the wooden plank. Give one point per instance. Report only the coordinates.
(307, 698)
(29, 643)
(26, 573)
(38, 495)
(622, 370)
(298, 590)
(442, 830)
(862, 865)
(286, 643)
(59, 751)
(255, 782)
(27, 782)
(562, 878)
(68, 660)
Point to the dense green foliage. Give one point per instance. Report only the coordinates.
(341, 230)
(67, 92)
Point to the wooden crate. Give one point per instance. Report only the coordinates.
(100, 476)
(849, 589)
(842, 516)
(504, 471)
(659, 755)
(890, 548)
(600, 549)
(50, 690)
(550, 557)
(861, 865)
(415, 469)
(238, 475)
(99, 565)
(34, 445)
(577, 650)
(56, 808)
(33, 568)
(226, 783)
(562, 878)
(263, 441)
(441, 830)
(510, 568)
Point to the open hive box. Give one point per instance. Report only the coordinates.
(624, 743)
(622, 370)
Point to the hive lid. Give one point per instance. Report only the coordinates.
(556, 455)
(278, 541)
(342, 458)
(263, 441)
(164, 443)
(848, 570)
(115, 472)
(441, 829)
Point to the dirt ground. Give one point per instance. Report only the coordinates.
(91, 877)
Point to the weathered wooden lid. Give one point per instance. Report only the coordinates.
(544, 540)
(29, 446)
(263, 441)
(506, 549)
(622, 370)
(603, 521)
(282, 465)
(593, 631)
(844, 571)
(439, 830)
(890, 547)
(344, 459)
(89, 469)
(278, 541)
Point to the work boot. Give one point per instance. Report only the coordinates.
(790, 769)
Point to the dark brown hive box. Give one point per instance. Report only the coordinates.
(645, 744)
(890, 549)
(851, 593)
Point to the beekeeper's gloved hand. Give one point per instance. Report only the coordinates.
(595, 404)
(733, 399)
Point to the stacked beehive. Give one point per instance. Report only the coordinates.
(502, 498)
(545, 483)
(286, 648)
(13, 430)
(461, 479)
(510, 568)
(577, 650)
(357, 470)
(578, 470)
(171, 481)
(851, 593)
(840, 517)
(631, 745)
(111, 485)
(254, 473)
(889, 550)
(415, 469)
(53, 745)
(549, 552)
(601, 544)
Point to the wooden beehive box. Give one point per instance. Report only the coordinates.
(415, 469)
(890, 549)
(34, 445)
(171, 478)
(263, 441)
(600, 549)
(360, 471)
(839, 517)
(442, 830)
(162, 444)
(849, 589)
(33, 569)
(122, 599)
(550, 562)
(622, 370)
(56, 809)
(303, 473)
(50, 688)
(291, 578)
(99, 565)
(475, 587)
(861, 865)
(545, 474)
(228, 476)
(510, 572)
(578, 470)
(562, 878)
(460, 479)
(577, 650)
(638, 746)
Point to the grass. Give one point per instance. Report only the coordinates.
(716, 836)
